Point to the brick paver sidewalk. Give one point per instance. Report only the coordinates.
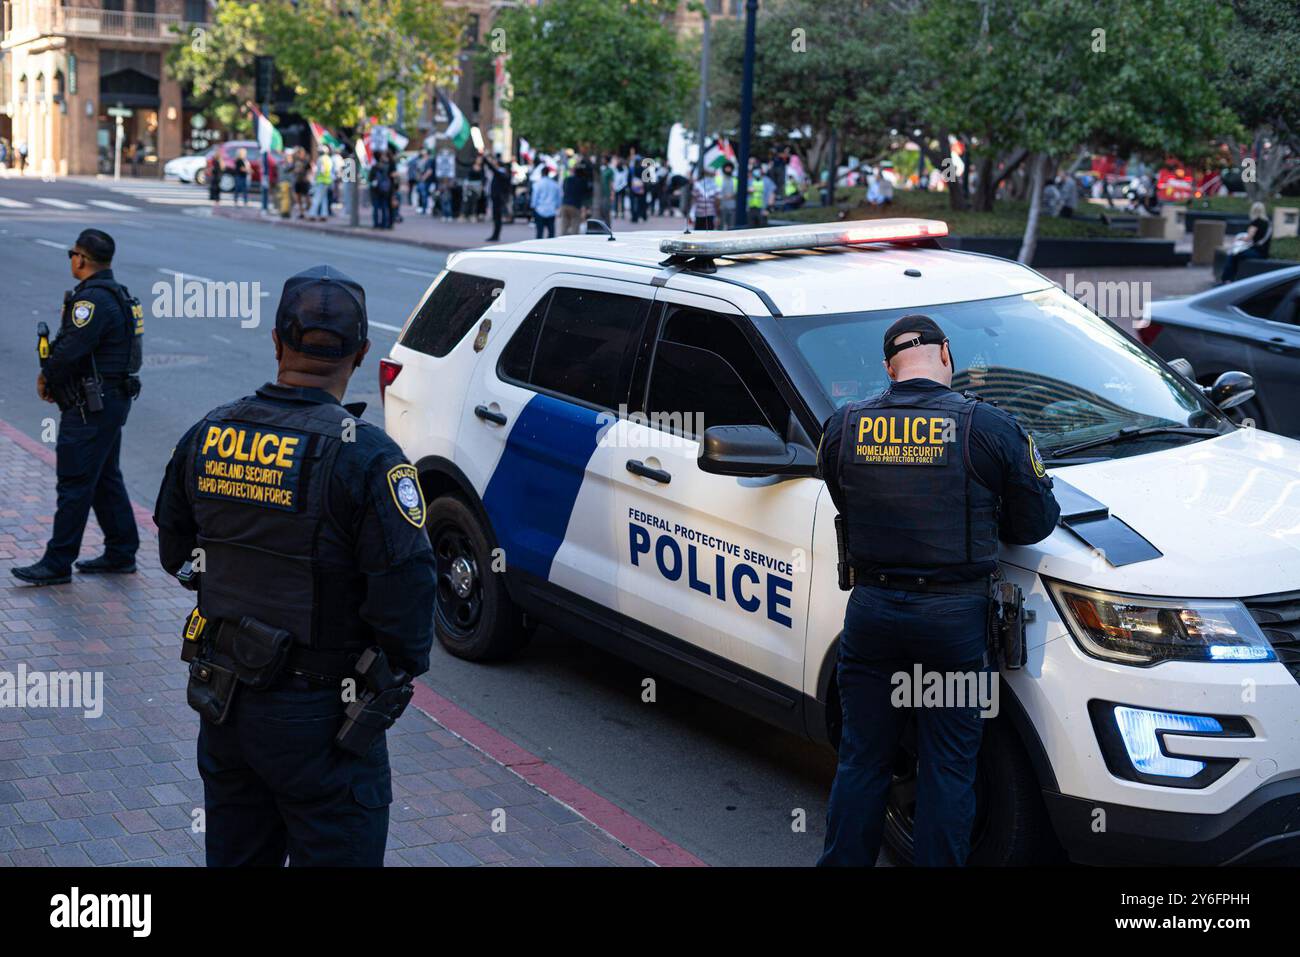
(120, 788)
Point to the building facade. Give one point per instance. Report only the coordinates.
(72, 69)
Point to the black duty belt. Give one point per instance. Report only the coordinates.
(318, 667)
(874, 579)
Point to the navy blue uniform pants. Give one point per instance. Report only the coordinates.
(886, 633)
(89, 477)
(275, 785)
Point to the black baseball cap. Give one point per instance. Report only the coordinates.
(926, 329)
(322, 298)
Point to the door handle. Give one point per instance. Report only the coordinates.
(487, 415)
(637, 467)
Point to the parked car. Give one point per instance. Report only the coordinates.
(1252, 325)
(188, 169)
(228, 151)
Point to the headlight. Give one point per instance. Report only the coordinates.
(1136, 630)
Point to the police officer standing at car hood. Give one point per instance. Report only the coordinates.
(91, 374)
(303, 528)
(926, 482)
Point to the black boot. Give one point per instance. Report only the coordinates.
(40, 574)
(103, 565)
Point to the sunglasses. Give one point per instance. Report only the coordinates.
(76, 252)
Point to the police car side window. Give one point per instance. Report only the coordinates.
(706, 372)
(587, 344)
(451, 310)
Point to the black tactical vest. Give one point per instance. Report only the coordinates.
(259, 479)
(120, 351)
(912, 498)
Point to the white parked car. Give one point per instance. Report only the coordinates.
(561, 400)
(187, 169)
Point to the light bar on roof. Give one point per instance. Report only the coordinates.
(773, 238)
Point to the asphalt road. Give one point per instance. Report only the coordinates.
(724, 786)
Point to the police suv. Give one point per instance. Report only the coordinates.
(617, 436)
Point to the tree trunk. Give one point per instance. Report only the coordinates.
(1038, 166)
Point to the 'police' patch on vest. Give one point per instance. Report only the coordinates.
(83, 310)
(902, 438)
(404, 483)
(1036, 460)
(256, 466)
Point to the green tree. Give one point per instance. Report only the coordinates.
(1053, 77)
(1261, 82)
(595, 74)
(820, 65)
(345, 60)
(217, 61)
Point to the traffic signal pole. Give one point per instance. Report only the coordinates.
(746, 117)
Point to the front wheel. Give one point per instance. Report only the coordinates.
(474, 617)
(1011, 824)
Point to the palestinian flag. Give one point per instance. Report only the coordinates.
(396, 141)
(457, 126)
(268, 137)
(718, 153)
(325, 137)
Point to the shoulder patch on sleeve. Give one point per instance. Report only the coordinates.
(83, 310)
(1035, 459)
(404, 483)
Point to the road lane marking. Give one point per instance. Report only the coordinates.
(8, 203)
(384, 325)
(221, 338)
(254, 242)
(418, 272)
(184, 275)
(52, 245)
(59, 203)
(109, 204)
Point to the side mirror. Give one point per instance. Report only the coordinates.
(1231, 389)
(751, 451)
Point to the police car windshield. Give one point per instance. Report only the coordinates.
(1066, 374)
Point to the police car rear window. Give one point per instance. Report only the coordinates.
(452, 309)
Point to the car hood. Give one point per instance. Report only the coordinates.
(1225, 513)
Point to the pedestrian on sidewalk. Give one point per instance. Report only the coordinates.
(301, 181)
(574, 194)
(215, 172)
(475, 181)
(322, 179)
(381, 190)
(546, 203)
(296, 599)
(704, 198)
(241, 177)
(502, 192)
(91, 373)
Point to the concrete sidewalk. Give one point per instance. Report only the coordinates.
(122, 787)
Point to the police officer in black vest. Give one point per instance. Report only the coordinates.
(303, 529)
(926, 482)
(91, 374)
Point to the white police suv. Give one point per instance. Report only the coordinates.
(617, 437)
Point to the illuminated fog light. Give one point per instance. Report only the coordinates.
(1138, 729)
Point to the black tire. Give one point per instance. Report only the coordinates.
(201, 178)
(1012, 828)
(474, 617)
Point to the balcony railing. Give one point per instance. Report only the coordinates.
(90, 22)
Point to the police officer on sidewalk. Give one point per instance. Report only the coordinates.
(91, 374)
(303, 528)
(926, 482)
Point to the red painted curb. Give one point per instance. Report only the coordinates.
(605, 814)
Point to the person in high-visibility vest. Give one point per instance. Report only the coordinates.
(759, 196)
(322, 180)
(725, 181)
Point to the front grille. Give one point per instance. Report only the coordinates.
(1279, 617)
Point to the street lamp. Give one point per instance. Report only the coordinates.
(746, 117)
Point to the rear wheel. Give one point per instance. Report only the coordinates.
(227, 182)
(201, 178)
(474, 616)
(1011, 824)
